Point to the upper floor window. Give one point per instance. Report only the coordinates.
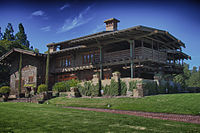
(87, 58)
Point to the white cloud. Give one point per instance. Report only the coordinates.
(38, 13)
(75, 22)
(47, 28)
(99, 28)
(64, 6)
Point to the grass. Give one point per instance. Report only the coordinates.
(29, 117)
(187, 103)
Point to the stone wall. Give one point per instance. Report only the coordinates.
(33, 71)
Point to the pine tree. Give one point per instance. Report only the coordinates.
(8, 35)
(21, 36)
(1, 35)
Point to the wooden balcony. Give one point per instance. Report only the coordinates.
(140, 54)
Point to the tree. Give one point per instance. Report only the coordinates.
(36, 50)
(194, 70)
(1, 35)
(21, 36)
(180, 79)
(8, 35)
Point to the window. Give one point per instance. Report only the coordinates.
(30, 79)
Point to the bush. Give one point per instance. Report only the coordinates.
(113, 88)
(95, 90)
(5, 90)
(42, 88)
(123, 87)
(73, 83)
(132, 85)
(86, 89)
(161, 89)
(61, 87)
(151, 87)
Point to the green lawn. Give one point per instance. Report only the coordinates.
(29, 117)
(188, 103)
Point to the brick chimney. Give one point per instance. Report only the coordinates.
(111, 24)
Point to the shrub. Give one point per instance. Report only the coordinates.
(42, 88)
(151, 87)
(113, 88)
(86, 89)
(106, 89)
(123, 87)
(95, 90)
(61, 87)
(73, 83)
(161, 89)
(132, 85)
(5, 90)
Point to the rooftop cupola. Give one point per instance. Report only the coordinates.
(111, 24)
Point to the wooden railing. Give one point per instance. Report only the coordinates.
(141, 53)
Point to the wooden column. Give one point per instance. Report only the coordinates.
(101, 65)
(47, 69)
(132, 47)
(20, 74)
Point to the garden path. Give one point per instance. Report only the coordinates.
(164, 116)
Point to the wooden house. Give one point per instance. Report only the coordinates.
(136, 52)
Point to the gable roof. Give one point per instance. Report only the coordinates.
(18, 50)
(132, 33)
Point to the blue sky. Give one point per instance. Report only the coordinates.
(54, 21)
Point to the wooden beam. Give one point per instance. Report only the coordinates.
(159, 42)
(101, 66)
(47, 69)
(20, 75)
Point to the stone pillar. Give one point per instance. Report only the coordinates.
(116, 76)
(74, 92)
(139, 92)
(95, 79)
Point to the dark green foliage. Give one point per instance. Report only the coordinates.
(123, 88)
(42, 88)
(161, 89)
(151, 87)
(1, 35)
(5, 90)
(8, 35)
(21, 36)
